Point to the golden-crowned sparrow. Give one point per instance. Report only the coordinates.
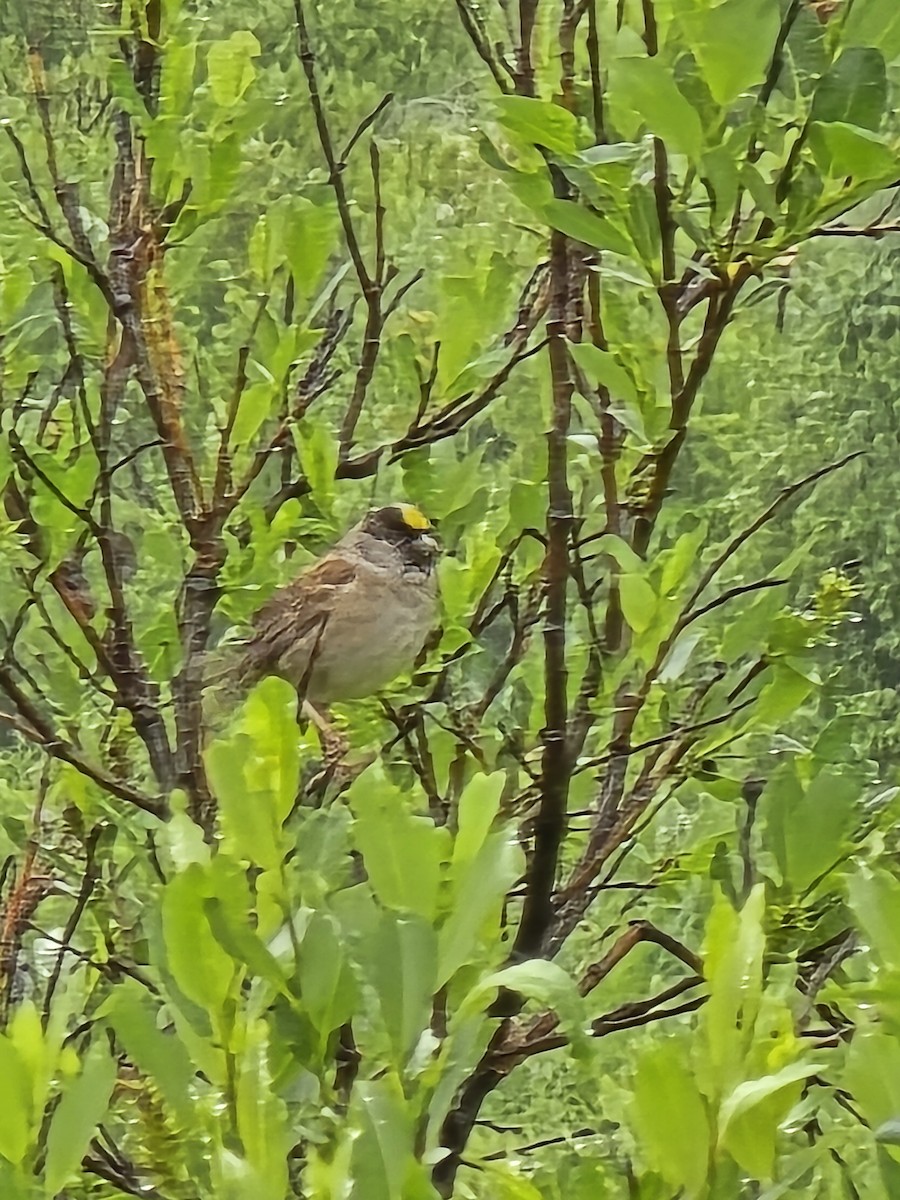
(357, 618)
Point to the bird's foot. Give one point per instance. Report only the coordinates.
(335, 744)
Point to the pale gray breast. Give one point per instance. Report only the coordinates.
(376, 631)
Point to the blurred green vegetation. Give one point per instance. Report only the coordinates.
(290, 1001)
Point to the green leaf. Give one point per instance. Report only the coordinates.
(255, 773)
(875, 900)
(843, 150)
(203, 971)
(479, 892)
(328, 988)
(681, 559)
(733, 969)
(383, 1164)
(873, 1073)
(854, 91)
(256, 405)
(602, 367)
(647, 87)
(782, 695)
(638, 601)
(732, 43)
(538, 979)
(400, 961)
(134, 1017)
(83, 1106)
(808, 828)
(262, 1116)
(230, 68)
(875, 23)
(575, 221)
(477, 808)
(235, 935)
(670, 1117)
(888, 1132)
(749, 1118)
(317, 448)
(306, 234)
(619, 550)
(16, 1109)
(539, 122)
(403, 854)
(679, 656)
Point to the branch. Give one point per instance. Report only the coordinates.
(492, 58)
(41, 732)
(371, 284)
(556, 764)
(731, 593)
(764, 517)
(866, 231)
(88, 883)
(365, 124)
(627, 1016)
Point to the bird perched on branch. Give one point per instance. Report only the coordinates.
(355, 619)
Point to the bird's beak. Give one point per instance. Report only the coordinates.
(429, 543)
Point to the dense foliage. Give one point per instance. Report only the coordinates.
(604, 899)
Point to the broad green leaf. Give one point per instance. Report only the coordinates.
(262, 1118)
(383, 1166)
(538, 979)
(230, 66)
(843, 150)
(233, 932)
(327, 986)
(782, 695)
(256, 405)
(875, 23)
(16, 1109)
(317, 449)
(479, 892)
(647, 87)
(619, 550)
(670, 1117)
(83, 1106)
(305, 233)
(477, 808)
(400, 962)
(732, 42)
(733, 968)
(888, 1132)
(202, 969)
(873, 1073)
(808, 827)
(875, 900)
(577, 222)
(255, 773)
(176, 86)
(638, 601)
(540, 122)
(681, 559)
(39, 1049)
(602, 367)
(679, 656)
(854, 91)
(161, 1056)
(404, 854)
(749, 1118)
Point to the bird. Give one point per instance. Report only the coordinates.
(355, 619)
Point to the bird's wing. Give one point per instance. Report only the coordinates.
(296, 613)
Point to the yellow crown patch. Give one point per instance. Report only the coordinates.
(412, 518)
